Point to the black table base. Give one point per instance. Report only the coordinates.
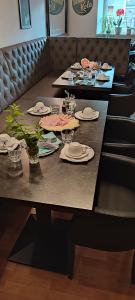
(41, 248)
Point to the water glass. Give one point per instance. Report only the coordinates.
(67, 136)
(70, 107)
(55, 109)
(15, 154)
(71, 78)
(15, 164)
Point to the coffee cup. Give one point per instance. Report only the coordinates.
(75, 149)
(87, 112)
(38, 107)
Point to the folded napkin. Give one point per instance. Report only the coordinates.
(49, 144)
(84, 82)
(7, 142)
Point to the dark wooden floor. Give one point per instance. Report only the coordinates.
(98, 275)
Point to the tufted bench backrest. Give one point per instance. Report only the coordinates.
(7, 89)
(63, 52)
(67, 50)
(113, 51)
(27, 63)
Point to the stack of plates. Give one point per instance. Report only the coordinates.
(87, 155)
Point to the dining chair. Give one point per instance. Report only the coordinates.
(119, 136)
(126, 79)
(121, 104)
(111, 224)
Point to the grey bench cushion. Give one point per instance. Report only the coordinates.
(7, 89)
(27, 63)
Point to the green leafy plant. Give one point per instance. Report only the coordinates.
(15, 126)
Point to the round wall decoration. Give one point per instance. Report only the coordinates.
(82, 7)
(56, 6)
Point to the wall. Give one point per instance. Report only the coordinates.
(10, 32)
(57, 23)
(82, 25)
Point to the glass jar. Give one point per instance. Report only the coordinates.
(33, 151)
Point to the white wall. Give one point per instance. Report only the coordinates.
(82, 25)
(10, 32)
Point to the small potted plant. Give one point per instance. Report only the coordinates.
(117, 23)
(31, 134)
(108, 25)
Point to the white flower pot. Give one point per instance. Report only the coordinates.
(128, 31)
(118, 30)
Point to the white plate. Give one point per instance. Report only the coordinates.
(104, 80)
(14, 146)
(106, 69)
(79, 115)
(76, 68)
(47, 111)
(3, 151)
(89, 156)
(77, 157)
(67, 75)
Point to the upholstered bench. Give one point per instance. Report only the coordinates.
(27, 70)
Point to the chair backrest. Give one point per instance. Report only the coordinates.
(116, 189)
(120, 128)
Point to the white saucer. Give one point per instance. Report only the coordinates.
(3, 151)
(94, 116)
(64, 151)
(106, 69)
(14, 146)
(84, 154)
(76, 68)
(67, 75)
(104, 80)
(45, 112)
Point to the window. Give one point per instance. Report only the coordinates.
(107, 16)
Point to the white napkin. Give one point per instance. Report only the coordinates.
(7, 142)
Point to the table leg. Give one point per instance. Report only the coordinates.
(133, 270)
(43, 243)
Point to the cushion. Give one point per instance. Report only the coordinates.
(7, 89)
(24, 62)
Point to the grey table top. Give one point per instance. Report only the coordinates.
(57, 182)
(97, 85)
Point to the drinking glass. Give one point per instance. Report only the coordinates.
(71, 78)
(15, 164)
(67, 136)
(55, 109)
(15, 154)
(70, 107)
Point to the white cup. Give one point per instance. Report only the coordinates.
(87, 112)
(75, 149)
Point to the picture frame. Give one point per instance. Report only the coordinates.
(48, 23)
(24, 14)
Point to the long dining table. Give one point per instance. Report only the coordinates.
(93, 85)
(53, 184)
